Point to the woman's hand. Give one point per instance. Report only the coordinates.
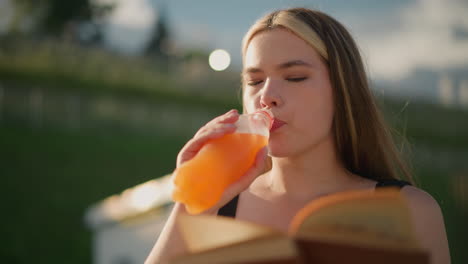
(217, 128)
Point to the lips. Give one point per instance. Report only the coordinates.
(277, 124)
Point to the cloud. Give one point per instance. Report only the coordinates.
(130, 25)
(133, 13)
(191, 34)
(432, 34)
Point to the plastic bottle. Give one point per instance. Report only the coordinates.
(201, 181)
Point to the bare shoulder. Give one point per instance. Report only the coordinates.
(428, 222)
(421, 202)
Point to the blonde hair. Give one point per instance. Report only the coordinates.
(362, 138)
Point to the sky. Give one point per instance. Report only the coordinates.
(396, 37)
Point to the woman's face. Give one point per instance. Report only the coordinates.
(286, 75)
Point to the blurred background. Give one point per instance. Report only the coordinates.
(98, 96)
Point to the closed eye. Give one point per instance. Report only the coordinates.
(300, 79)
(253, 83)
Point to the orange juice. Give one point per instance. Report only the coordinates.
(201, 181)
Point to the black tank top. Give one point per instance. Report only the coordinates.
(231, 207)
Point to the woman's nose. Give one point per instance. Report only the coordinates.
(270, 95)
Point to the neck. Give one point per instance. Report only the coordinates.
(313, 173)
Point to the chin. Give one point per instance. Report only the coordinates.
(278, 151)
(279, 147)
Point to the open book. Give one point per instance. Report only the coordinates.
(349, 227)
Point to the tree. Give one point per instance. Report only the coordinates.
(158, 44)
(54, 17)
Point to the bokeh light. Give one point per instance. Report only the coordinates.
(219, 60)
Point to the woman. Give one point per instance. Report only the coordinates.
(328, 136)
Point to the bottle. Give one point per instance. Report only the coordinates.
(201, 181)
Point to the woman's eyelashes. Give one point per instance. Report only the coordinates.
(296, 79)
(254, 83)
(291, 79)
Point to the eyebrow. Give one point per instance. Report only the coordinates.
(281, 66)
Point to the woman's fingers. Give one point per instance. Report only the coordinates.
(194, 145)
(228, 118)
(216, 128)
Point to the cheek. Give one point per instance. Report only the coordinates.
(317, 109)
(250, 102)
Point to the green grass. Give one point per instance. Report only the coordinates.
(68, 67)
(425, 123)
(52, 175)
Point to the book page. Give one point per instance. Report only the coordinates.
(203, 232)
